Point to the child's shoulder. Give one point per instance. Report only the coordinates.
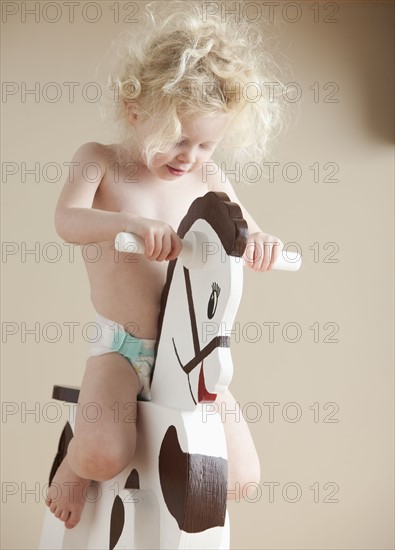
(94, 148)
(95, 152)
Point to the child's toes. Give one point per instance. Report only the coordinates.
(51, 495)
(58, 513)
(72, 521)
(64, 515)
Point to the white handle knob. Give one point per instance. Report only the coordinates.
(287, 261)
(129, 242)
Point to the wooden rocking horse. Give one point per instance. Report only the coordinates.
(173, 494)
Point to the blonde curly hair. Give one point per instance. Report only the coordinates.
(184, 61)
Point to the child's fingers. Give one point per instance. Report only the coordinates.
(152, 245)
(262, 251)
(265, 255)
(162, 245)
(176, 247)
(249, 255)
(276, 252)
(149, 244)
(166, 247)
(157, 247)
(256, 255)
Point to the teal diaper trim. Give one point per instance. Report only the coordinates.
(129, 346)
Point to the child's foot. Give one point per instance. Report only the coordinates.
(66, 495)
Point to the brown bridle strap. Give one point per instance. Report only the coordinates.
(191, 307)
(217, 342)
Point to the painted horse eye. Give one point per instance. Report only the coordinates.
(212, 303)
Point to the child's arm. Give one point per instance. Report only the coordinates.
(77, 222)
(262, 249)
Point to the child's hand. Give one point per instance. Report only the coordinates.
(161, 241)
(262, 251)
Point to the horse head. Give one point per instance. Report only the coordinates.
(198, 306)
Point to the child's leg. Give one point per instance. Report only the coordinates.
(243, 461)
(105, 429)
(105, 433)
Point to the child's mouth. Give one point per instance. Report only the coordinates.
(174, 171)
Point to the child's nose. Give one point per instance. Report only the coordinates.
(187, 155)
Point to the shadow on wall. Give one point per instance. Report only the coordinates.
(370, 41)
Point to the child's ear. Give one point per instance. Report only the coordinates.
(130, 113)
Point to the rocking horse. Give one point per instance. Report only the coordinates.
(173, 494)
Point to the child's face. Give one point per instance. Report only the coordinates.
(200, 137)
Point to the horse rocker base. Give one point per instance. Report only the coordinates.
(173, 494)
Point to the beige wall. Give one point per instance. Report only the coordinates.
(343, 467)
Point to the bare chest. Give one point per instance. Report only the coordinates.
(166, 201)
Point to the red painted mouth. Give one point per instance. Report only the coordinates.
(204, 395)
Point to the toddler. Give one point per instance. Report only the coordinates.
(183, 94)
